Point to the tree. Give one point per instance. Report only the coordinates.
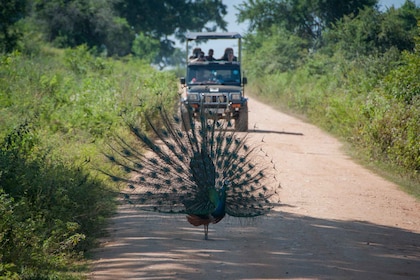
(305, 18)
(399, 27)
(166, 17)
(373, 32)
(11, 11)
(160, 19)
(355, 36)
(145, 48)
(287, 30)
(115, 25)
(282, 52)
(92, 22)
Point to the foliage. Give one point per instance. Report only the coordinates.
(392, 112)
(121, 27)
(160, 19)
(306, 19)
(93, 22)
(111, 28)
(371, 101)
(371, 31)
(11, 11)
(284, 51)
(145, 47)
(50, 211)
(167, 17)
(391, 130)
(59, 109)
(360, 83)
(403, 83)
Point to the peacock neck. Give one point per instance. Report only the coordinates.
(220, 202)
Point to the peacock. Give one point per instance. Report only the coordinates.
(205, 171)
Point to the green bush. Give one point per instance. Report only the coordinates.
(371, 102)
(50, 211)
(61, 109)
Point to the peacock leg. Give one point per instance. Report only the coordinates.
(206, 232)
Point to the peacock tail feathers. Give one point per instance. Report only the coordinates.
(206, 170)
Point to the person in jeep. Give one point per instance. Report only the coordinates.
(229, 55)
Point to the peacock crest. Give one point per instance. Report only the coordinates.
(205, 172)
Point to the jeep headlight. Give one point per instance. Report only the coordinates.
(193, 97)
(235, 96)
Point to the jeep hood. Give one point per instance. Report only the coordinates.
(214, 88)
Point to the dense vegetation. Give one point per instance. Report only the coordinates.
(357, 77)
(59, 111)
(144, 28)
(345, 65)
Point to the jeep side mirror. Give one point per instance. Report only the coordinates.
(182, 81)
(244, 80)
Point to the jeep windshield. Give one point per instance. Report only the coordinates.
(214, 73)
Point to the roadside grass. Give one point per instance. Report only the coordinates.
(364, 103)
(60, 110)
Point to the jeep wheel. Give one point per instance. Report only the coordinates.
(241, 122)
(185, 117)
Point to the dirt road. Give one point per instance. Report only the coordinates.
(337, 220)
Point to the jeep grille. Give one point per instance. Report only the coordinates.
(215, 98)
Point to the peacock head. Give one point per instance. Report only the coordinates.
(225, 185)
(219, 195)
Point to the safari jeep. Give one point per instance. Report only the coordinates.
(215, 88)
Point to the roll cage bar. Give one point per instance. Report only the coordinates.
(194, 36)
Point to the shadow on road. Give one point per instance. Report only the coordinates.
(274, 131)
(279, 246)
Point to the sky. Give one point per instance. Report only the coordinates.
(395, 3)
(233, 26)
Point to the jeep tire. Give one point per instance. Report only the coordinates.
(185, 117)
(241, 121)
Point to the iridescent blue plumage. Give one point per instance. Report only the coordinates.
(205, 172)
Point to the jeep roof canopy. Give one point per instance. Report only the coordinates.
(212, 35)
(192, 36)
